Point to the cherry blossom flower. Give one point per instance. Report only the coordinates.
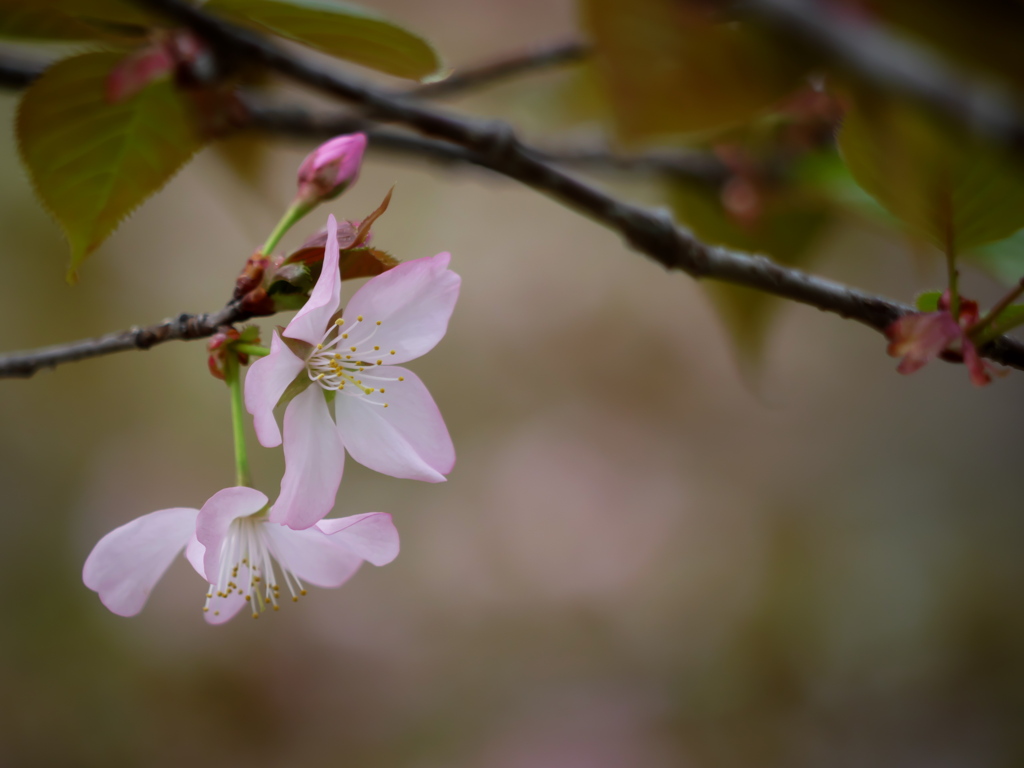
(921, 336)
(383, 414)
(233, 546)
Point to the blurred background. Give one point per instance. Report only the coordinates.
(652, 552)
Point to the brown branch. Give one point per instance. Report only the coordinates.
(299, 122)
(19, 72)
(24, 364)
(489, 72)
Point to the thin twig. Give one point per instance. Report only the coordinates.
(19, 72)
(299, 122)
(25, 364)
(488, 73)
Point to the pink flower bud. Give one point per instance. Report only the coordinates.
(329, 169)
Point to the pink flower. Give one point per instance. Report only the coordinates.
(921, 336)
(383, 414)
(233, 546)
(331, 168)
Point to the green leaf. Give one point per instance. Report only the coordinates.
(1004, 259)
(71, 19)
(29, 21)
(928, 301)
(92, 162)
(787, 230)
(668, 69)
(941, 184)
(342, 31)
(120, 12)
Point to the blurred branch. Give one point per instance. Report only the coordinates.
(893, 63)
(18, 72)
(298, 122)
(22, 365)
(499, 69)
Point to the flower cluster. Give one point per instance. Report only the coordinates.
(921, 336)
(337, 374)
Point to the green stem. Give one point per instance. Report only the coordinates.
(234, 382)
(294, 213)
(946, 212)
(251, 349)
(975, 331)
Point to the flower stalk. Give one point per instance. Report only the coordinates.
(295, 212)
(243, 476)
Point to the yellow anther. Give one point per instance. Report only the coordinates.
(385, 405)
(378, 322)
(401, 378)
(339, 321)
(247, 597)
(319, 346)
(348, 357)
(302, 591)
(379, 362)
(277, 608)
(344, 335)
(360, 318)
(352, 348)
(295, 599)
(216, 613)
(205, 608)
(392, 351)
(255, 615)
(375, 349)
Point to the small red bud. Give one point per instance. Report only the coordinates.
(331, 168)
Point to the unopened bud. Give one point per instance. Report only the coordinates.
(331, 168)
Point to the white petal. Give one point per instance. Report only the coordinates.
(372, 536)
(215, 519)
(314, 458)
(265, 382)
(407, 439)
(311, 555)
(310, 322)
(413, 303)
(128, 562)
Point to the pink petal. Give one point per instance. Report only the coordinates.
(310, 322)
(372, 536)
(266, 381)
(978, 369)
(195, 553)
(314, 458)
(413, 303)
(126, 564)
(215, 519)
(312, 556)
(223, 609)
(407, 439)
